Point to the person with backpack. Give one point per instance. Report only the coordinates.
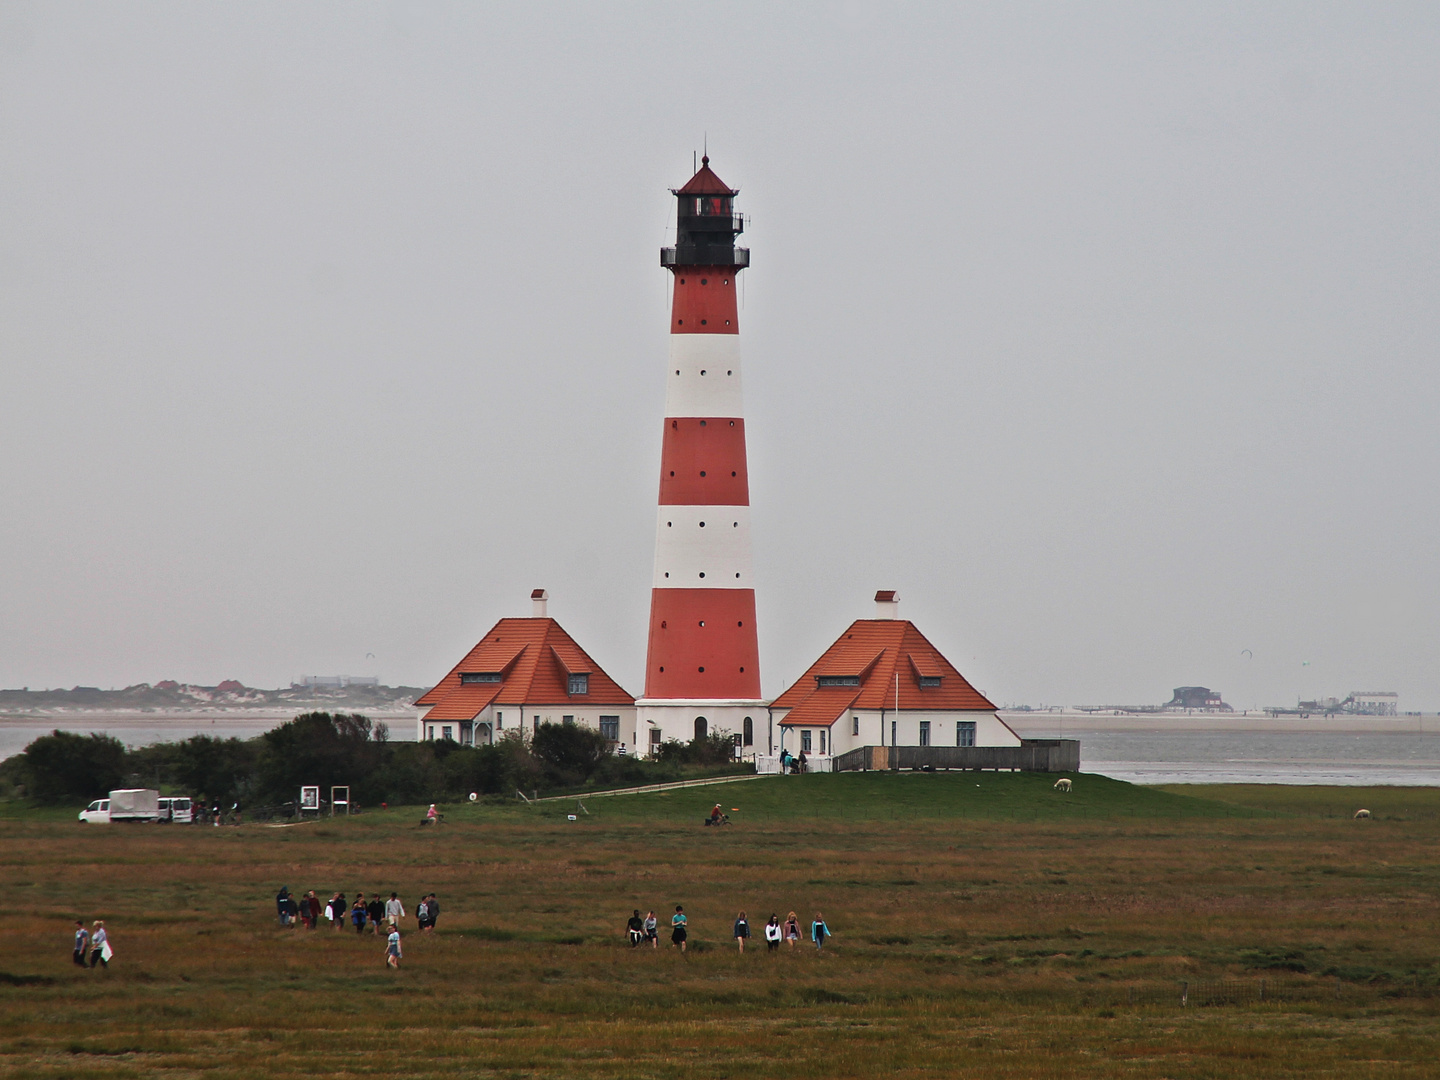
(422, 914)
(636, 929)
(82, 942)
(742, 930)
(819, 932)
(772, 934)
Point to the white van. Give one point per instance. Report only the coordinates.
(177, 809)
(97, 813)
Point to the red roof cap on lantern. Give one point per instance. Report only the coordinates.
(705, 182)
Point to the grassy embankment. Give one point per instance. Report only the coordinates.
(981, 931)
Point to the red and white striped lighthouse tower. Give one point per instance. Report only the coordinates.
(702, 671)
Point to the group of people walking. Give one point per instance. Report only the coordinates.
(374, 913)
(92, 945)
(646, 930)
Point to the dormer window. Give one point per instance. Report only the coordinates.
(928, 681)
(837, 680)
(579, 684)
(479, 676)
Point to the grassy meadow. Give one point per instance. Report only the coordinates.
(985, 926)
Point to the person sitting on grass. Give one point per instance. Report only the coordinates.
(392, 948)
(679, 928)
(715, 815)
(636, 929)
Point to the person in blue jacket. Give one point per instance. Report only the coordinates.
(819, 932)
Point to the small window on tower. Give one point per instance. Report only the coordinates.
(579, 684)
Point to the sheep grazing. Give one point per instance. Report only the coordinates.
(1063, 784)
(1361, 814)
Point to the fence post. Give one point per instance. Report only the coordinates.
(1184, 994)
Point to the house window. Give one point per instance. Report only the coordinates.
(822, 740)
(447, 733)
(929, 681)
(654, 738)
(964, 732)
(749, 732)
(700, 727)
(924, 732)
(610, 727)
(837, 680)
(479, 676)
(892, 733)
(536, 723)
(431, 736)
(499, 721)
(567, 720)
(854, 725)
(579, 684)
(805, 741)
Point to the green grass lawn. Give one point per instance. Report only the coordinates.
(1004, 930)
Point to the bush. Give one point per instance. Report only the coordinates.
(568, 753)
(328, 749)
(708, 750)
(63, 766)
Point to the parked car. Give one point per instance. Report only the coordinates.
(176, 808)
(134, 804)
(97, 813)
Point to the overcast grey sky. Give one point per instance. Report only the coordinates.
(1106, 334)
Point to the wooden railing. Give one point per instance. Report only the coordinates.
(1032, 755)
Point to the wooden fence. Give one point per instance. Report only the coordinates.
(1032, 755)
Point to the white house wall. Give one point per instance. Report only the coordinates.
(841, 737)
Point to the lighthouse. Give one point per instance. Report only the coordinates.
(702, 672)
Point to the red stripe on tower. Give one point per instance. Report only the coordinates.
(703, 661)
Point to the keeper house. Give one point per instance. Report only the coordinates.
(883, 684)
(524, 673)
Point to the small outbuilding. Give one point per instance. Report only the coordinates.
(521, 674)
(883, 684)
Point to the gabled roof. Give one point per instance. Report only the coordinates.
(876, 650)
(822, 708)
(534, 658)
(705, 182)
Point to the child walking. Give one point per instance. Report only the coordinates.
(392, 948)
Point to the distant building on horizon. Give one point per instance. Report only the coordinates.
(334, 682)
(1197, 698)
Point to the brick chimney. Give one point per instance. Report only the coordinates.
(887, 604)
(539, 601)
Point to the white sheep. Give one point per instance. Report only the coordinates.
(1063, 784)
(1361, 814)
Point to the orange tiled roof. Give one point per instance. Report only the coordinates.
(822, 708)
(875, 650)
(534, 658)
(464, 702)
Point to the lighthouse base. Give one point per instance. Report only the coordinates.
(660, 721)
